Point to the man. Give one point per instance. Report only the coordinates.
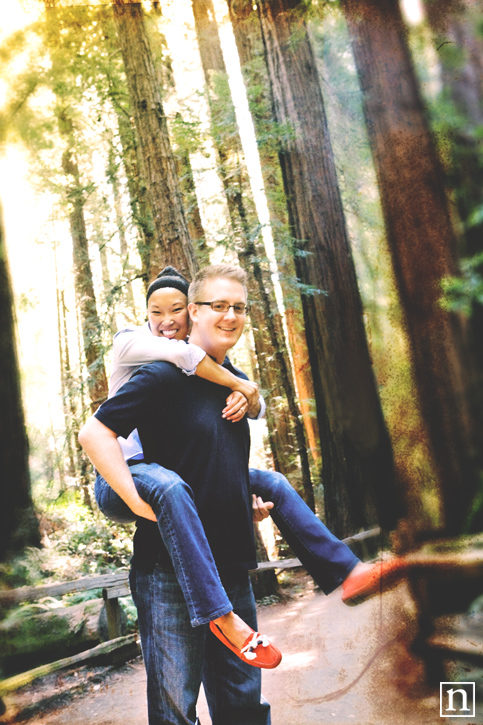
(179, 424)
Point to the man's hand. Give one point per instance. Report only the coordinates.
(261, 508)
(236, 407)
(248, 389)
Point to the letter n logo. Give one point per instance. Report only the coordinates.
(457, 699)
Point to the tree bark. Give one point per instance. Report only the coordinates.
(159, 169)
(18, 524)
(274, 366)
(356, 450)
(421, 240)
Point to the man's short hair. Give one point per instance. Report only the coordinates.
(215, 271)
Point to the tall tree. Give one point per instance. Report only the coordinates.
(422, 243)
(248, 38)
(356, 450)
(159, 169)
(18, 524)
(455, 25)
(84, 287)
(75, 198)
(273, 361)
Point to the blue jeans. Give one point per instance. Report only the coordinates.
(325, 557)
(179, 657)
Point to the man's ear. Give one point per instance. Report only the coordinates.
(193, 311)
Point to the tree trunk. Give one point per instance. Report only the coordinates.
(459, 45)
(246, 29)
(112, 174)
(18, 524)
(84, 288)
(85, 296)
(421, 240)
(356, 450)
(274, 366)
(188, 190)
(159, 169)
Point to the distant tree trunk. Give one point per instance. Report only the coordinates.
(85, 296)
(459, 45)
(356, 450)
(159, 169)
(422, 243)
(246, 29)
(190, 200)
(84, 288)
(64, 369)
(18, 524)
(274, 365)
(113, 176)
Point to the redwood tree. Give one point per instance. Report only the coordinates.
(422, 243)
(285, 427)
(248, 38)
(18, 524)
(356, 450)
(158, 164)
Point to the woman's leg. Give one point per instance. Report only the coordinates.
(111, 504)
(182, 532)
(326, 558)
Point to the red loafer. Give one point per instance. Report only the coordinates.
(257, 650)
(379, 578)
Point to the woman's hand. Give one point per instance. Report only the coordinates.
(248, 389)
(142, 509)
(236, 407)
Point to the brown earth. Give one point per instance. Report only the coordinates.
(341, 665)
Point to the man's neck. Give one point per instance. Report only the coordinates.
(217, 353)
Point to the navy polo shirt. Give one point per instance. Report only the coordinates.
(179, 421)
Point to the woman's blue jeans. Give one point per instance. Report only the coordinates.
(178, 657)
(325, 557)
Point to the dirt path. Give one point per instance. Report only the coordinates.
(341, 665)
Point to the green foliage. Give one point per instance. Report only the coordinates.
(460, 293)
(76, 543)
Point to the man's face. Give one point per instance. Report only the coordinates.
(217, 332)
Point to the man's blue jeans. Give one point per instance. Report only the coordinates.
(178, 657)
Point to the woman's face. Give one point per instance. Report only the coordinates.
(168, 313)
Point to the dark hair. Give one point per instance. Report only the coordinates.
(168, 277)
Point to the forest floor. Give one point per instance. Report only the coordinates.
(341, 665)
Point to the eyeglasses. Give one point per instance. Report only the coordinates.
(240, 308)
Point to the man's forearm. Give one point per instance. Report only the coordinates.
(101, 445)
